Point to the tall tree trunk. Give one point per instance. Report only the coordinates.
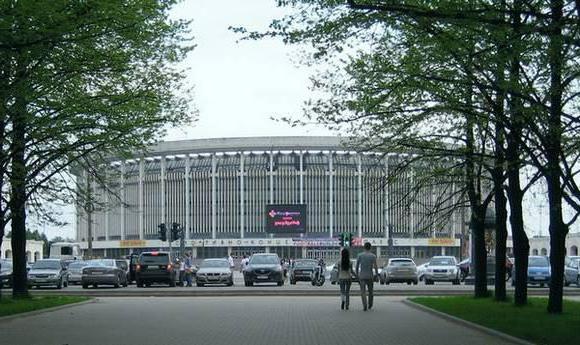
(501, 235)
(558, 229)
(479, 255)
(18, 200)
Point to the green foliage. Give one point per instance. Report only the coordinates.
(10, 306)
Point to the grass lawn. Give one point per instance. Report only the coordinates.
(9, 306)
(530, 322)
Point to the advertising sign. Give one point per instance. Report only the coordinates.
(285, 219)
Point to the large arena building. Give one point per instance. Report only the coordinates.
(219, 191)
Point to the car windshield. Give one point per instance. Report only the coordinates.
(52, 265)
(77, 264)
(538, 262)
(6, 265)
(402, 263)
(154, 259)
(215, 263)
(306, 263)
(264, 260)
(105, 263)
(442, 262)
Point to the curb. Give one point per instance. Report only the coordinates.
(45, 310)
(467, 324)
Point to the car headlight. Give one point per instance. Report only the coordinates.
(430, 270)
(225, 274)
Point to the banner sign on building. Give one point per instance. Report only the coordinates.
(286, 219)
(441, 242)
(132, 244)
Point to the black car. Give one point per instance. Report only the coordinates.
(302, 270)
(155, 267)
(264, 268)
(5, 273)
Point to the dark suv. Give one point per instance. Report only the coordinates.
(264, 268)
(155, 267)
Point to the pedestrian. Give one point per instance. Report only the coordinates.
(231, 261)
(188, 268)
(345, 273)
(365, 263)
(243, 264)
(182, 272)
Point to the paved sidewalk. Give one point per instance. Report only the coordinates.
(238, 320)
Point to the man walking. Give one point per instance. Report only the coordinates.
(365, 263)
(188, 269)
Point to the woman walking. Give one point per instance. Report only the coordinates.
(345, 273)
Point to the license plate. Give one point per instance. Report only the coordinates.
(538, 278)
(262, 277)
(96, 273)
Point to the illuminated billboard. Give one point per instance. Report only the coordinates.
(286, 219)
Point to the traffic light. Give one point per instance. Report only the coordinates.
(162, 232)
(175, 231)
(341, 239)
(348, 239)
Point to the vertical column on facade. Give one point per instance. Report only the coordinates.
(301, 177)
(123, 201)
(359, 192)
(141, 198)
(242, 196)
(163, 178)
(330, 195)
(107, 206)
(187, 198)
(271, 177)
(412, 211)
(386, 196)
(453, 214)
(213, 196)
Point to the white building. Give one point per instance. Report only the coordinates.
(34, 250)
(218, 190)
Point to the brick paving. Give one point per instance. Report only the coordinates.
(237, 320)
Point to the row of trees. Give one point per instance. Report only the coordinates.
(80, 81)
(488, 87)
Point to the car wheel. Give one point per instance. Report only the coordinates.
(333, 283)
(292, 282)
(199, 285)
(541, 285)
(578, 280)
(231, 283)
(66, 283)
(139, 283)
(172, 283)
(85, 286)
(387, 282)
(95, 285)
(280, 283)
(566, 282)
(456, 282)
(415, 282)
(59, 285)
(147, 284)
(126, 283)
(409, 283)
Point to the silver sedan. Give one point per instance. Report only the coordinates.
(571, 273)
(103, 272)
(214, 271)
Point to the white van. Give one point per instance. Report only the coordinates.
(66, 251)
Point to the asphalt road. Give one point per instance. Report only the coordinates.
(301, 288)
(238, 320)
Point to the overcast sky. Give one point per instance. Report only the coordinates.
(239, 86)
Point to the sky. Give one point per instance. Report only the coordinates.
(240, 85)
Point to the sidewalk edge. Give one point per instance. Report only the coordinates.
(468, 324)
(46, 310)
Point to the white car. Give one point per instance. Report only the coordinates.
(442, 269)
(421, 269)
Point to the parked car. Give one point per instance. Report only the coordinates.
(302, 270)
(155, 267)
(442, 268)
(75, 271)
(539, 271)
(124, 266)
(264, 268)
(103, 272)
(399, 270)
(421, 269)
(5, 273)
(48, 272)
(214, 271)
(571, 272)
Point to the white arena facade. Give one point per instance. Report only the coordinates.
(218, 190)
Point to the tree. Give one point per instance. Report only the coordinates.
(85, 80)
